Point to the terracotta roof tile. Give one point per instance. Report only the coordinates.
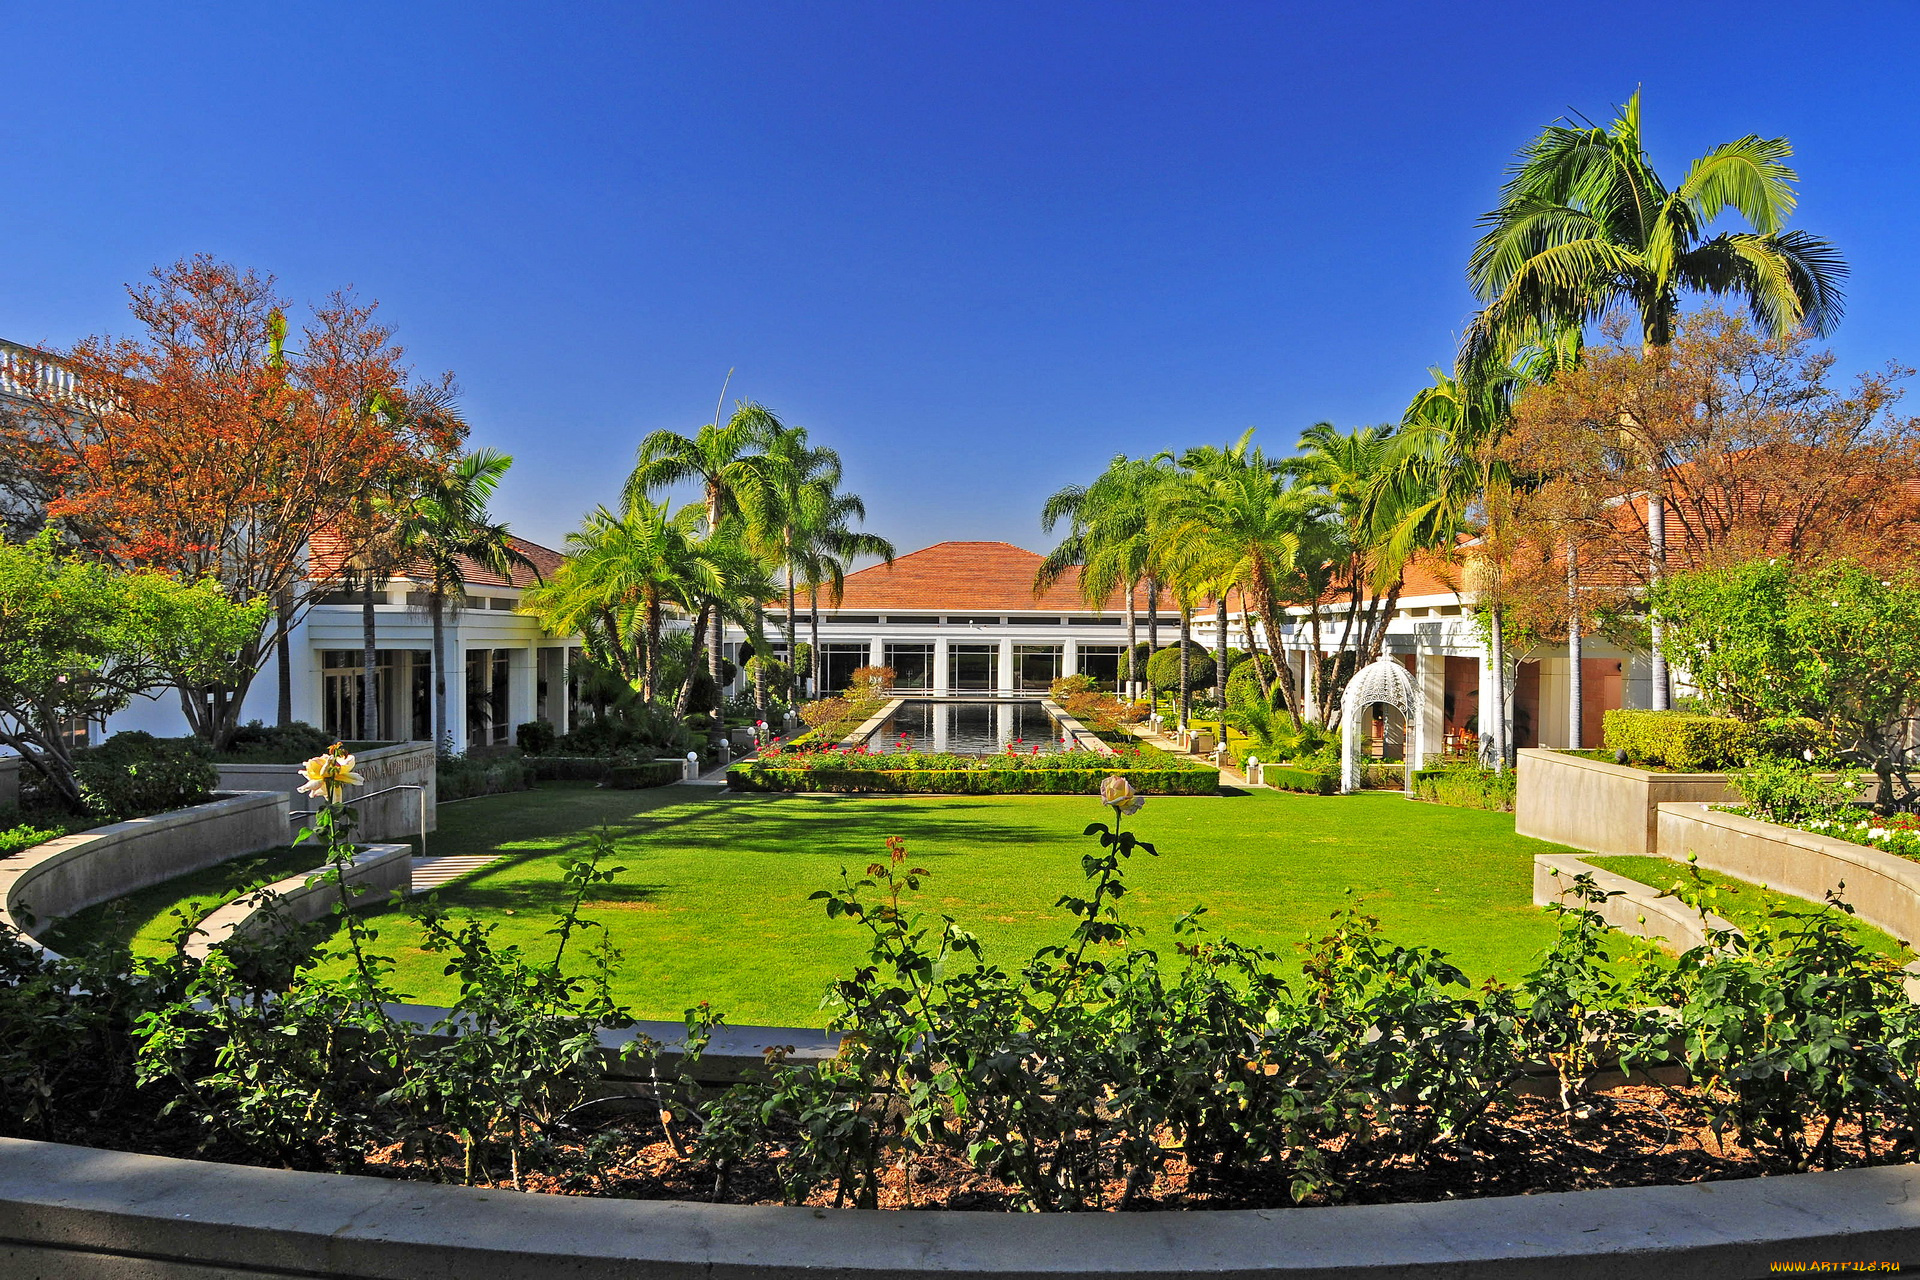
(326, 554)
(964, 577)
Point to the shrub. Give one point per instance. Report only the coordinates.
(826, 711)
(1466, 786)
(1679, 740)
(133, 774)
(1244, 686)
(1293, 778)
(1790, 792)
(757, 775)
(276, 744)
(535, 737)
(1163, 668)
(458, 777)
(867, 681)
(566, 768)
(17, 836)
(636, 777)
(778, 676)
(1071, 686)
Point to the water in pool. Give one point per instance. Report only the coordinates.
(967, 728)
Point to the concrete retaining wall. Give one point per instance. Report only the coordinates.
(374, 873)
(72, 1213)
(55, 879)
(10, 767)
(1883, 888)
(1638, 909)
(391, 817)
(1607, 808)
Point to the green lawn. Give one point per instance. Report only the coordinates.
(148, 918)
(1744, 903)
(713, 904)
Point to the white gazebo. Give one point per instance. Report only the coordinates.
(1383, 680)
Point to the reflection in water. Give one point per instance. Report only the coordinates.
(967, 728)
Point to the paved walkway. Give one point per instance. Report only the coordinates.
(430, 873)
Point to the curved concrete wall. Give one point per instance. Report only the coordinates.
(55, 879)
(374, 872)
(1883, 888)
(1636, 909)
(388, 818)
(1607, 808)
(68, 1213)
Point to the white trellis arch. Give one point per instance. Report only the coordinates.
(1382, 680)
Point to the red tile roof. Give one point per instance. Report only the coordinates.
(965, 577)
(326, 553)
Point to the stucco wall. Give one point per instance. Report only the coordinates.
(391, 817)
(375, 872)
(10, 767)
(1606, 808)
(55, 879)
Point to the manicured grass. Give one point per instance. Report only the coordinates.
(713, 905)
(147, 919)
(1743, 902)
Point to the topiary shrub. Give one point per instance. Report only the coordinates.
(1244, 686)
(535, 737)
(133, 774)
(1163, 668)
(1680, 740)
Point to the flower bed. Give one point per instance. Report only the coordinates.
(1896, 834)
(805, 768)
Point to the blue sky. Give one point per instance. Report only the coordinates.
(978, 247)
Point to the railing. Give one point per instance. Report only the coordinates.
(400, 786)
(27, 373)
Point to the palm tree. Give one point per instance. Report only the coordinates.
(1109, 539)
(625, 574)
(1586, 225)
(444, 531)
(737, 476)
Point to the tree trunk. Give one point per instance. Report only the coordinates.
(283, 656)
(1656, 569)
(1498, 709)
(1576, 685)
(1220, 651)
(436, 606)
(1186, 687)
(650, 668)
(793, 626)
(369, 639)
(813, 641)
(1132, 685)
(759, 668)
(1153, 616)
(684, 698)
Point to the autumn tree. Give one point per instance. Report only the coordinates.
(1757, 453)
(215, 442)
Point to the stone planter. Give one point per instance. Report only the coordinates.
(68, 1213)
(1883, 888)
(1634, 908)
(56, 879)
(1602, 807)
(375, 871)
(391, 817)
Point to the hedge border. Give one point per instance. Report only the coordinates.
(755, 776)
(1285, 777)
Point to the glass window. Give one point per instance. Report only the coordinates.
(912, 665)
(973, 667)
(838, 662)
(1035, 666)
(1102, 662)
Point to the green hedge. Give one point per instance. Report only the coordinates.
(1466, 787)
(1682, 740)
(1287, 778)
(636, 777)
(568, 768)
(754, 775)
(458, 777)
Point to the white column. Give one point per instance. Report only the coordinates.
(942, 718)
(456, 690)
(563, 712)
(529, 700)
(1432, 681)
(1006, 666)
(942, 667)
(876, 652)
(1070, 657)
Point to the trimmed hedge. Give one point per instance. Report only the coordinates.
(1467, 787)
(462, 777)
(754, 775)
(636, 777)
(568, 768)
(1285, 777)
(1681, 740)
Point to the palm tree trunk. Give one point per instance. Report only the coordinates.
(759, 668)
(649, 682)
(1220, 651)
(1576, 684)
(682, 699)
(1656, 569)
(436, 608)
(1132, 685)
(283, 663)
(1153, 616)
(813, 641)
(369, 692)
(793, 626)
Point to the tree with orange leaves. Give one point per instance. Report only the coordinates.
(215, 443)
